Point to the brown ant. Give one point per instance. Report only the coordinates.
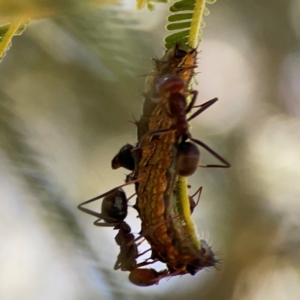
(172, 88)
(113, 209)
(114, 206)
(113, 212)
(126, 260)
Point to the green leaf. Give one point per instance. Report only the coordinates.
(141, 3)
(177, 36)
(179, 17)
(8, 31)
(181, 25)
(194, 22)
(183, 5)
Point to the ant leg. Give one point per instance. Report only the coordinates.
(146, 263)
(135, 121)
(139, 243)
(159, 131)
(226, 164)
(198, 191)
(90, 212)
(191, 104)
(154, 132)
(203, 107)
(131, 197)
(142, 253)
(97, 223)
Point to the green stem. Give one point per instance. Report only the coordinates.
(14, 26)
(196, 23)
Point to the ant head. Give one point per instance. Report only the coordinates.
(114, 206)
(169, 84)
(124, 229)
(181, 50)
(124, 158)
(178, 52)
(187, 161)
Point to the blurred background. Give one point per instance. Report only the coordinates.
(69, 88)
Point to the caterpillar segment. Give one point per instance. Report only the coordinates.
(180, 60)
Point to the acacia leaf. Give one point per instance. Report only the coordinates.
(8, 31)
(187, 24)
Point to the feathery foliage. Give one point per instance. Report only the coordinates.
(187, 20)
(150, 3)
(8, 31)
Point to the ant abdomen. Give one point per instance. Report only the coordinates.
(146, 277)
(124, 158)
(114, 206)
(187, 161)
(169, 84)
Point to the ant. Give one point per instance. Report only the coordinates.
(114, 206)
(113, 209)
(126, 260)
(172, 87)
(113, 213)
